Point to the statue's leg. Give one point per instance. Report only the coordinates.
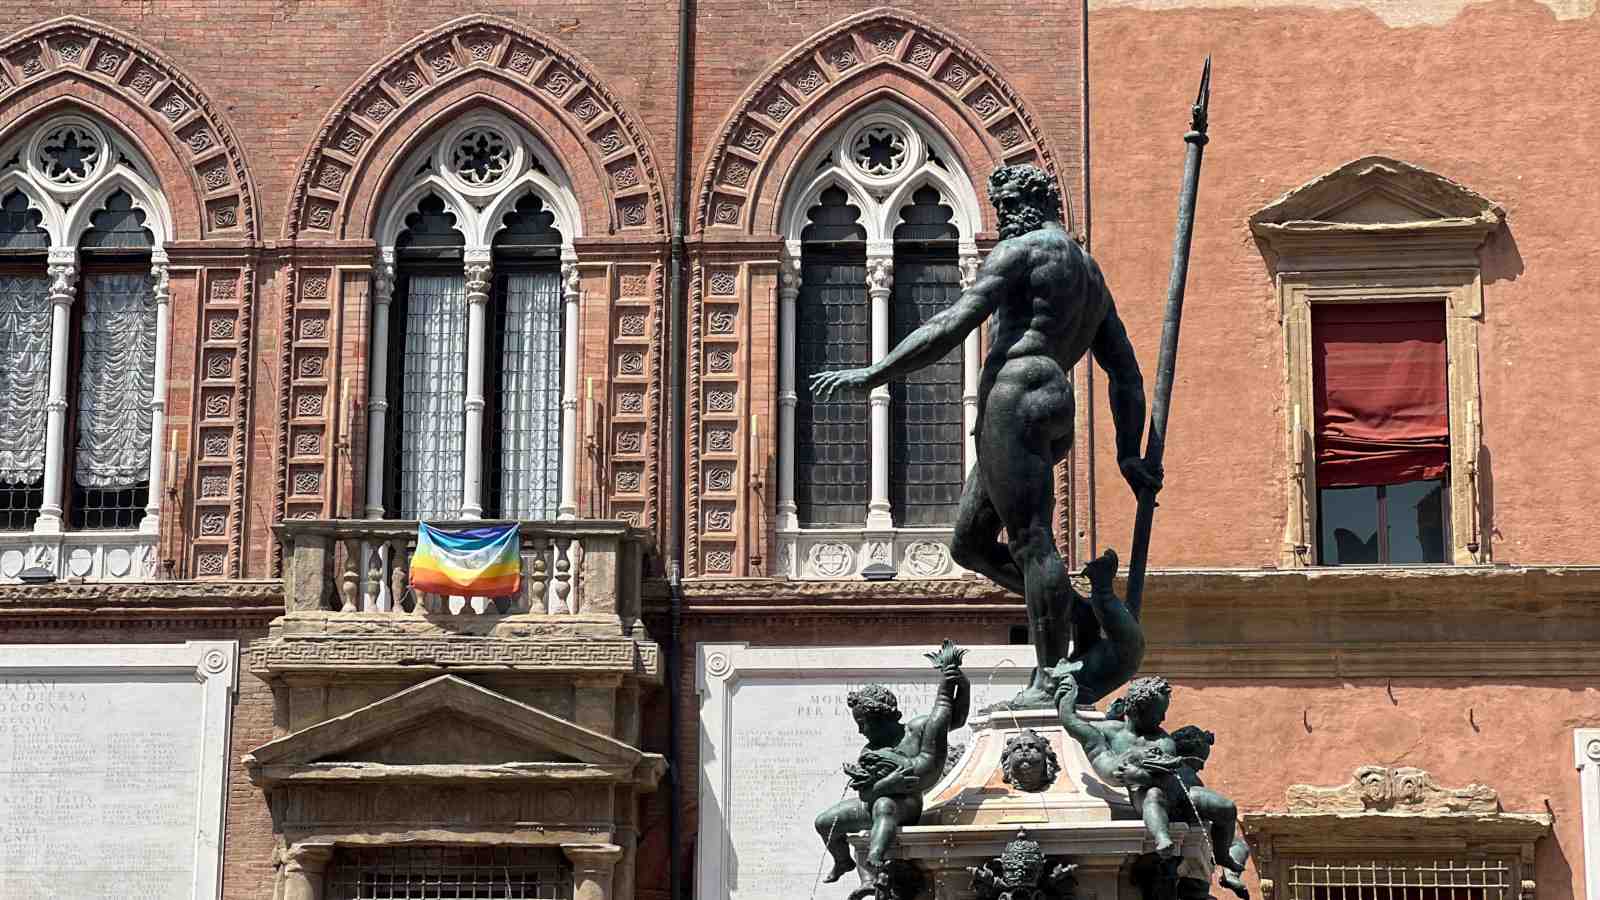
(1153, 809)
(1222, 814)
(833, 825)
(1112, 660)
(888, 814)
(1023, 420)
(974, 543)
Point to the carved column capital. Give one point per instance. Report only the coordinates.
(592, 868)
(880, 276)
(571, 281)
(383, 277)
(63, 270)
(303, 865)
(789, 278)
(969, 263)
(159, 271)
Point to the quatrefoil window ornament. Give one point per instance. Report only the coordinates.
(70, 154)
(481, 156)
(879, 150)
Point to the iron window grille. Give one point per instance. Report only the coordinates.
(449, 873)
(1400, 879)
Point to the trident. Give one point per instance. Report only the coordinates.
(1166, 363)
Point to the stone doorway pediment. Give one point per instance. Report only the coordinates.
(449, 729)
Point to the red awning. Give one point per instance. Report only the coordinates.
(1383, 412)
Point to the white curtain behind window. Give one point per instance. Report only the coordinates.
(434, 388)
(24, 376)
(530, 397)
(116, 381)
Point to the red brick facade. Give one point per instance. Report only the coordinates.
(275, 130)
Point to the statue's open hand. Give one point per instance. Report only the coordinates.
(1140, 474)
(823, 384)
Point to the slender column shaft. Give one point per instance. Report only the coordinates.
(880, 284)
(479, 273)
(571, 293)
(788, 295)
(151, 524)
(63, 269)
(378, 380)
(971, 364)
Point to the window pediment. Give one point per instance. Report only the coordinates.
(444, 729)
(1376, 196)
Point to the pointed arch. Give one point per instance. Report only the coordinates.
(468, 62)
(874, 55)
(75, 62)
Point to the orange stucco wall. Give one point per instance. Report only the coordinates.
(1490, 96)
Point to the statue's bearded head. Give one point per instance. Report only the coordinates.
(1024, 199)
(877, 714)
(1028, 762)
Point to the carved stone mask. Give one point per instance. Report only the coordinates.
(1028, 762)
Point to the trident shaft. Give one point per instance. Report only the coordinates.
(1156, 443)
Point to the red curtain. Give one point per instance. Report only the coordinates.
(1382, 406)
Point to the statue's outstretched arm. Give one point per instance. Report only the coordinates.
(1088, 736)
(942, 332)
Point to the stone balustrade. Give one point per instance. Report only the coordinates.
(569, 568)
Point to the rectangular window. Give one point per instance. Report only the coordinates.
(24, 391)
(449, 873)
(1431, 879)
(522, 477)
(116, 376)
(925, 417)
(833, 458)
(1382, 432)
(429, 438)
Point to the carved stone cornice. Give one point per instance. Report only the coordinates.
(277, 657)
(160, 604)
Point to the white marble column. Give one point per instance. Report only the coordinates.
(592, 868)
(479, 273)
(571, 293)
(378, 380)
(971, 361)
(880, 285)
(788, 513)
(151, 523)
(63, 269)
(303, 868)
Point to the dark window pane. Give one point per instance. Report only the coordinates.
(1415, 515)
(1349, 526)
(117, 226)
(20, 224)
(925, 439)
(832, 454)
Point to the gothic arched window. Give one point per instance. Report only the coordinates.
(880, 223)
(83, 325)
(474, 304)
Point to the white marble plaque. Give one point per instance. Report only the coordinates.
(774, 732)
(113, 764)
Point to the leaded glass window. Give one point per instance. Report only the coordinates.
(833, 456)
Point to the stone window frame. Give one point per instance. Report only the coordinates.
(67, 211)
(830, 552)
(1392, 816)
(1586, 758)
(478, 213)
(1378, 230)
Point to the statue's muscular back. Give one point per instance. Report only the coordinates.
(1045, 322)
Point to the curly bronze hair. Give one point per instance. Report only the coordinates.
(874, 700)
(1041, 191)
(1029, 738)
(1145, 691)
(1192, 740)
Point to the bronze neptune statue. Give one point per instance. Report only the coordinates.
(1047, 305)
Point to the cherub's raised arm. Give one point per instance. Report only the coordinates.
(1084, 732)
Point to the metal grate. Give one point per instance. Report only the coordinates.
(430, 452)
(24, 388)
(522, 477)
(116, 382)
(1447, 879)
(925, 440)
(449, 873)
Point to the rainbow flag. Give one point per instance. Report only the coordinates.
(468, 562)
